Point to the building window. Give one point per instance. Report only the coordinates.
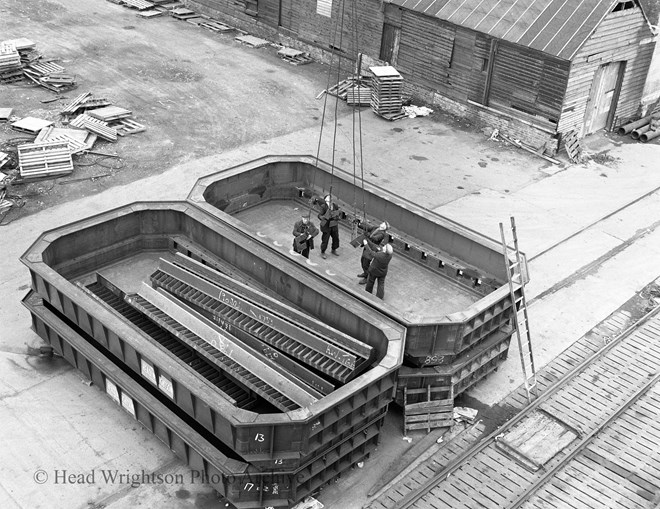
(484, 64)
(324, 8)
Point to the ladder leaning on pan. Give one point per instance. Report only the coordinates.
(517, 275)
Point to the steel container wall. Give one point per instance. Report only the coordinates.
(238, 482)
(269, 441)
(443, 246)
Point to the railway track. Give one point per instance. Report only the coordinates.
(588, 441)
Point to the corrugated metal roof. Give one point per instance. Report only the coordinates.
(557, 27)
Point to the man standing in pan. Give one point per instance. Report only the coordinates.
(378, 268)
(375, 236)
(329, 218)
(304, 232)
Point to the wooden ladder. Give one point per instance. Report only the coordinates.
(517, 277)
(429, 414)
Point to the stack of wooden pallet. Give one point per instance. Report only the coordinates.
(101, 113)
(387, 91)
(48, 159)
(359, 95)
(10, 63)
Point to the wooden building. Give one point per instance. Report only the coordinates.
(535, 68)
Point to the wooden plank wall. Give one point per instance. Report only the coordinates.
(363, 18)
(425, 49)
(528, 81)
(268, 12)
(616, 39)
(299, 17)
(468, 71)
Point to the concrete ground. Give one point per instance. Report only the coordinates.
(590, 232)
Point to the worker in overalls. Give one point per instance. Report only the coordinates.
(329, 217)
(378, 269)
(304, 232)
(374, 236)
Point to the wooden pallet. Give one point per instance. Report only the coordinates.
(73, 106)
(360, 96)
(30, 125)
(431, 413)
(45, 68)
(44, 159)
(110, 113)
(128, 126)
(76, 143)
(294, 56)
(140, 5)
(183, 13)
(95, 126)
(215, 26)
(252, 41)
(572, 145)
(151, 13)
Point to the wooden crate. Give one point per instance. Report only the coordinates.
(431, 413)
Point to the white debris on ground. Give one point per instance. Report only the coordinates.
(416, 111)
(309, 503)
(465, 414)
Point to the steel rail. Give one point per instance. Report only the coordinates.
(584, 442)
(412, 497)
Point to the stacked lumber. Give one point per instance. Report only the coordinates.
(48, 159)
(387, 91)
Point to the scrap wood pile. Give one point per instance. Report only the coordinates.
(48, 151)
(19, 60)
(354, 90)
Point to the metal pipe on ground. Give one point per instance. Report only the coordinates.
(649, 135)
(639, 131)
(627, 128)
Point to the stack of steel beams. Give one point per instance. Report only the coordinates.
(270, 397)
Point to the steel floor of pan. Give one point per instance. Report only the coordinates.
(410, 287)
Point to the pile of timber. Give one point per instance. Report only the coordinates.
(644, 130)
(19, 59)
(101, 117)
(387, 92)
